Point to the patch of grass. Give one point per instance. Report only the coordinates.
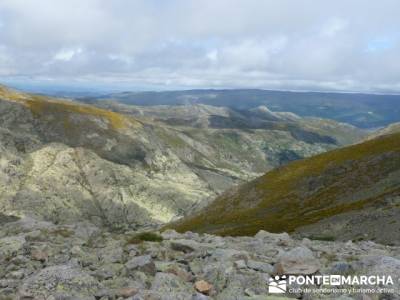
(144, 237)
(326, 238)
(330, 257)
(7, 219)
(64, 232)
(351, 258)
(171, 138)
(62, 110)
(40, 106)
(358, 239)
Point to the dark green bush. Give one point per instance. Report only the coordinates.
(144, 237)
(327, 238)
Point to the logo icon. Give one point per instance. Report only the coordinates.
(335, 279)
(277, 285)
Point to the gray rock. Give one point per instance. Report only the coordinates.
(10, 246)
(199, 296)
(112, 254)
(240, 264)
(260, 266)
(84, 258)
(142, 263)
(51, 280)
(185, 246)
(126, 292)
(171, 287)
(235, 267)
(171, 234)
(341, 268)
(272, 236)
(228, 254)
(218, 274)
(299, 260)
(132, 250)
(380, 265)
(17, 274)
(179, 271)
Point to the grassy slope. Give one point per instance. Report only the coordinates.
(42, 105)
(306, 191)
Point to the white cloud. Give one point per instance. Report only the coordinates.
(302, 44)
(67, 54)
(212, 55)
(333, 26)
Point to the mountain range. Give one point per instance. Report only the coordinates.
(123, 165)
(111, 200)
(369, 111)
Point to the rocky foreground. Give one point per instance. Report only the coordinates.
(41, 260)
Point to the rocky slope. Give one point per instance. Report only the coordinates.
(342, 194)
(200, 116)
(40, 260)
(227, 146)
(64, 161)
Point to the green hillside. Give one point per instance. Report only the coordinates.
(307, 191)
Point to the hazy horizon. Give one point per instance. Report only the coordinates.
(101, 89)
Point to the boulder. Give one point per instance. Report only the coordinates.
(341, 268)
(199, 296)
(180, 272)
(170, 234)
(126, 292)
(171, 286)
(10, 246)
(298, 261)
(203, 287)
(240, 264)
(67, 279)
(260, 266)
(112, 254)
(380, 266)
(185, 246)
(227, 254)
(39, 255)
(142, 263)
(262, 234)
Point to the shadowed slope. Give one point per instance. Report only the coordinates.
(306, 191)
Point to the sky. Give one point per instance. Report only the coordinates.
(321, 45)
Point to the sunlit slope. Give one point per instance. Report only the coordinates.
(66, 162)
(307, 191)
(392, 128)
(42, 106)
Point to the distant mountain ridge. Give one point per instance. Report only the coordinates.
(361, 110)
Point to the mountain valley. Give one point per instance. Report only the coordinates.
(65, 161)
(91, 196)
(341, 194)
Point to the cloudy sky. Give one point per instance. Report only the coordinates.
(346, 45)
